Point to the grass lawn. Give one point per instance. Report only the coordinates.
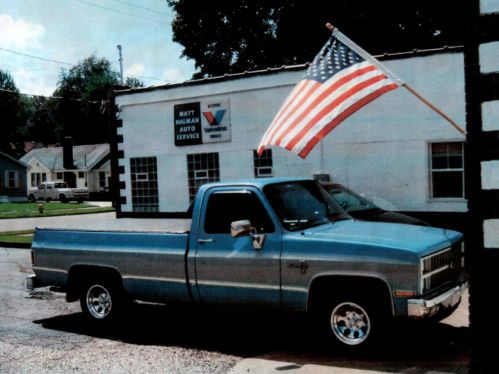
(25, 236)
(26, 210)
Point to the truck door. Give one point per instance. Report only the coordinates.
(230, 270)
(41, 193)
(49, 191)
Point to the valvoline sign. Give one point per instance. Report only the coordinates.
(215, 121)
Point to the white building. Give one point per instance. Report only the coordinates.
(395, 148)
(86, 166)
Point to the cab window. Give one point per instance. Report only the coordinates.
(226, 207)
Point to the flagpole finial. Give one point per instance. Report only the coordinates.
(329, 26)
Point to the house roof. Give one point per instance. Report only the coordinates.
(246, 74)
(85, 157)
(13, 159)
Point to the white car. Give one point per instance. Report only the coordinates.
(57, 190)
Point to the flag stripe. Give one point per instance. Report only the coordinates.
(331, 105)
(345, 114)
(313, 101)
(300, 96)
(309, 96)
(311, 111)
(336, 112)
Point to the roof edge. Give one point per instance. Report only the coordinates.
(15, 160)
(250, 73)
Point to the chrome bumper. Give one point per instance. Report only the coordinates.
(423, 308)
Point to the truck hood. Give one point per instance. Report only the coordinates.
(421, 240)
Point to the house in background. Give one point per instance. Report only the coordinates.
(12, 179)
(82, 166)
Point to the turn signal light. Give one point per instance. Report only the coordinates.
(404, 293)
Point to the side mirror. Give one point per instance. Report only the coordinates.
(240, 228)
(244, 228)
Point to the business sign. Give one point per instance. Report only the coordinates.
(187, 122)
(199, 123)
(215, 121)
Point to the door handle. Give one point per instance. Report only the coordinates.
(202, 241)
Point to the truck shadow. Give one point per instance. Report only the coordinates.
(275, 337)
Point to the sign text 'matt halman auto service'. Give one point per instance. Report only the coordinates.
(202, 122)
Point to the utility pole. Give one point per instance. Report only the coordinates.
(121, 64)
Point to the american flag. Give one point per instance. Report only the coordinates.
(341, 80)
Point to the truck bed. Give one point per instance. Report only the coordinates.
(149, 256)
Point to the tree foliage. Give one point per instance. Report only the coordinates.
(235, 35)
(85, 88)
(10, 104)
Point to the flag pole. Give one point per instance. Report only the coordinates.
(434, 108)
(330, 27)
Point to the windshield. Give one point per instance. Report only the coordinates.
(349, 200)
(303, 204)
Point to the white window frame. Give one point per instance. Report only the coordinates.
(431, 170)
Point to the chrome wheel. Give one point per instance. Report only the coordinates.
(350, 323)
(98, 302)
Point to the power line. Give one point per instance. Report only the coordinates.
(142, 7)
(119, 11)
(37, 57)
(69, 64)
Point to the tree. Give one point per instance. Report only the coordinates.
(84, 89)
(41, 123)
(10, 104)
(236, 35)
(132, 82)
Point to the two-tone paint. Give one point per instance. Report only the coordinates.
(217, 269)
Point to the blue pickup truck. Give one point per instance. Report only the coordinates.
(281, 244)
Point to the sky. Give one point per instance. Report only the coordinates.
(67, 31)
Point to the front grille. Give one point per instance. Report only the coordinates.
(441, 268)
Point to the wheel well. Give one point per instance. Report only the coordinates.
(79, 274)
(374, 288)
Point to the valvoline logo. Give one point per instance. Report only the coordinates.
(214, 119)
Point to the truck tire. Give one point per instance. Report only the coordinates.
(351, 321)
(63, 198)
(101, 300)
(32, 198)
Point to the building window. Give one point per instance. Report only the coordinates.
(102, 179)
(144, 175)
(262, 165)
(37, 179)
(59, 176)
(201, 168)
(447, 170)
(11, 179)
(81, 174)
